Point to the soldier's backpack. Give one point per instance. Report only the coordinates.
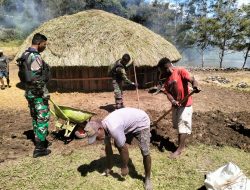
(25, 74)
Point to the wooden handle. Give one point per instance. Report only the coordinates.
(167, 112)
(137, 92)
(161, 117)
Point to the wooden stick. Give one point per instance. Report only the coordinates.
(137, 92)
(167, 112)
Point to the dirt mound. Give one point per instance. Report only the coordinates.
(211, 128)
(14, 132)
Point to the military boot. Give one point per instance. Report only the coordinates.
(119, 106)
(8, 82)
(40, 149)
(47, 143)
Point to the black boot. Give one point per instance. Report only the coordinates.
(40, 149)
(119, 106)
(8, 82)
(47, 143)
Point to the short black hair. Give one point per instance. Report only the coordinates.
(38, 38)
(163, 61)
(126, 58)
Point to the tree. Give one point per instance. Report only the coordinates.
(241, 40)
(224, 23)
(203, 36)
(113, 6)
(194, 32)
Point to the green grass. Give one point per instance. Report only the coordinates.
(10, 48)
(13, 43)
(82, 169)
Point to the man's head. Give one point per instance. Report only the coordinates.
(165, 66)
(1, 52)
(125, 59)
(95, 131)
(39, 41)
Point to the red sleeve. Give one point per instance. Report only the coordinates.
(165, 87)
(185, 74)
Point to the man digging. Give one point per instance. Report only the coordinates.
(120, 125)
(176, 88)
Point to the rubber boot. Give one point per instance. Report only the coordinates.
(40, 149)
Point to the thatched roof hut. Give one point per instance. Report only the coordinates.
(82, 47)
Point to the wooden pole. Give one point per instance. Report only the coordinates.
(137, 92)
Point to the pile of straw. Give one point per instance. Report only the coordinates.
(96, 38)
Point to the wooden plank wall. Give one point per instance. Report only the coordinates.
(92, 79)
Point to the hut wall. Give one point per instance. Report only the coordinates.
(93, 79)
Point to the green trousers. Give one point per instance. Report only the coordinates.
(118, 94)
(39, 111)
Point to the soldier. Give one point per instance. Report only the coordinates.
(36, 93)
(118, 73)
(4, 70)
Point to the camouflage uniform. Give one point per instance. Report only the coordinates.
(119, 75)
(37, 96)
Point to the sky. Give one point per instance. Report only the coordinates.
(243, 2)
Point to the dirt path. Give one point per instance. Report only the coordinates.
(221, 116)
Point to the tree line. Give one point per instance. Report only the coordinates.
(202, 24)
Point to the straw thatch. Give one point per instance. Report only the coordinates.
(96, 38)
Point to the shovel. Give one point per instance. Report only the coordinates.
(181, 102)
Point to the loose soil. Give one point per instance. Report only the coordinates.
(221, 116)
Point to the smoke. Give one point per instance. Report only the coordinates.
(243, 2)
(162, 17)
(21, 15)
(192, 57)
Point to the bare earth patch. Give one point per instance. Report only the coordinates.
(221, 116)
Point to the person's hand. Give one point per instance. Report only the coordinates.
(135, 84)
(159, 88)
(196, 89)
(125, 171)
(175, 103)
(107, 172)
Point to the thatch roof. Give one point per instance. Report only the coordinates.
(97, 38)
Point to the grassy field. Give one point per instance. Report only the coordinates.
(82, 169)
(234, 77)
(10, 48)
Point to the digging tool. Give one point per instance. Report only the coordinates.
(181, 102)
(157, 89)
(137, 92)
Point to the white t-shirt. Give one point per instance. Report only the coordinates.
(123, 121)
